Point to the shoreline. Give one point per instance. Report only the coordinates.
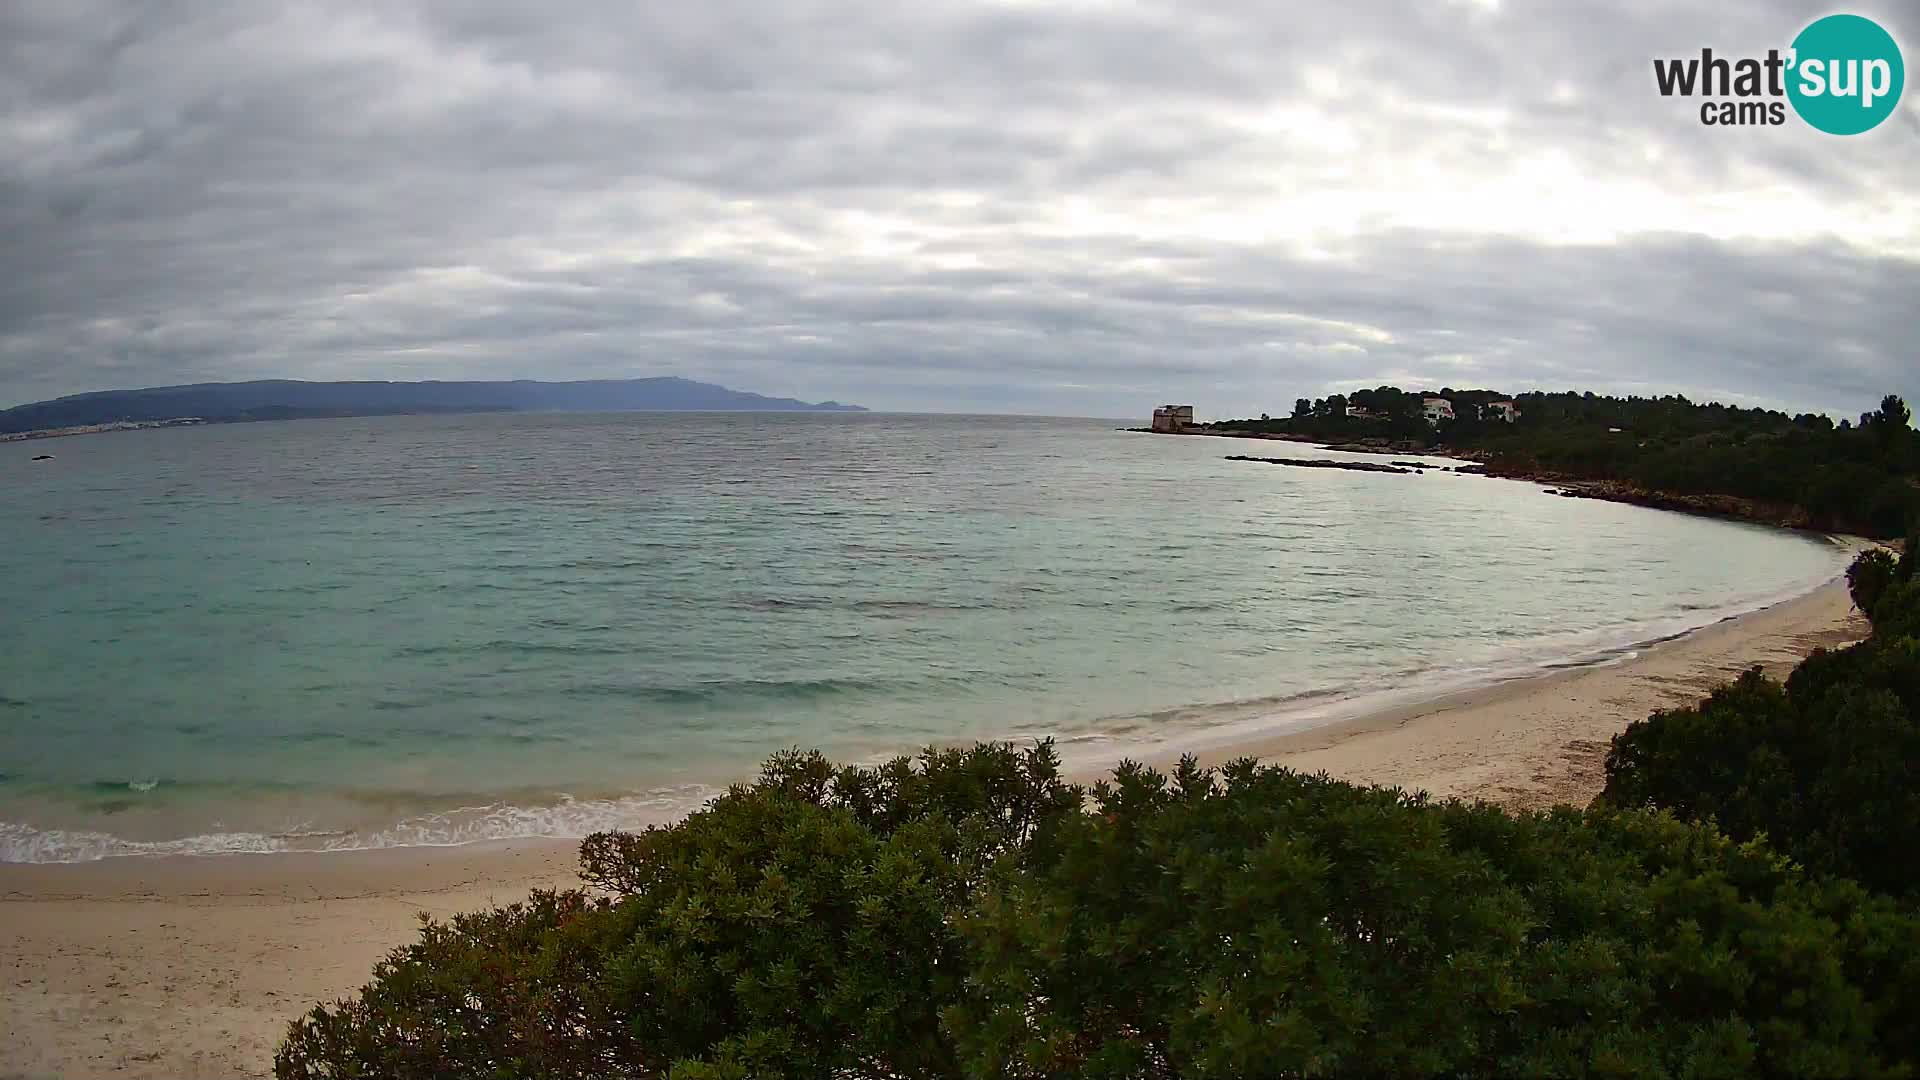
(192, 965)
(1535, 741)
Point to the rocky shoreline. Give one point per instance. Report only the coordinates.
(1728, 507)
(1721, 506)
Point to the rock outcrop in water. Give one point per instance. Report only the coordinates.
(1317, 463)
(1720, 506)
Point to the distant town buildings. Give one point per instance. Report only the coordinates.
(90, 429)
(1172, 419)
(1388, 406)
(1499, 410)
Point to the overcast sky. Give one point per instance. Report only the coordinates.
(1073, 207)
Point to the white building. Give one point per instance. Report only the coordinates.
(1499, 410)
(1436, 409)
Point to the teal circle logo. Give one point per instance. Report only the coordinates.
(1846, 74)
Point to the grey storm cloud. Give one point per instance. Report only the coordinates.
(1074, 207)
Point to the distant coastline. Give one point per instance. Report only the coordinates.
(290, 399)
(95, 429)
(1798, 471)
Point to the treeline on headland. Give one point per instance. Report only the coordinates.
(1858, 477)
(971, 914)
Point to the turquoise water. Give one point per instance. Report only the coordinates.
(365, 632)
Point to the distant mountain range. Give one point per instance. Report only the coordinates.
(286, 399)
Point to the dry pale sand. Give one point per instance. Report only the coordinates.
(192, 967)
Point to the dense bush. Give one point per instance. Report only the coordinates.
(1281, 925)
(798, 927)
(966, 916)
(1888, 590)
(1826, 766)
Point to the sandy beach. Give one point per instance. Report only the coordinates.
(192, 967)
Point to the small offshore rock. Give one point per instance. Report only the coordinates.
(1319, 463)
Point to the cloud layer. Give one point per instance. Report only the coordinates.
(1078, 207)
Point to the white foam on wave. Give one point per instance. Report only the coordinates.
(567, 818)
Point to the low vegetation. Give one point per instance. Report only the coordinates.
(1826, 767)
(1738, 903)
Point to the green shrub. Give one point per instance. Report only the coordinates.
(1826, 767)
(516, 991)
(799, 927)
(1870, 576)
(1294, 926)
(966, 917)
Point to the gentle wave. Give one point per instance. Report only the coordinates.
(734, 690)
(566, 819)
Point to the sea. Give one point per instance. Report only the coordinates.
(425, 630)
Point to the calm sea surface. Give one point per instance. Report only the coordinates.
(406, 630)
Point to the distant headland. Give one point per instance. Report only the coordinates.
(1762, 465)
(289, 399)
